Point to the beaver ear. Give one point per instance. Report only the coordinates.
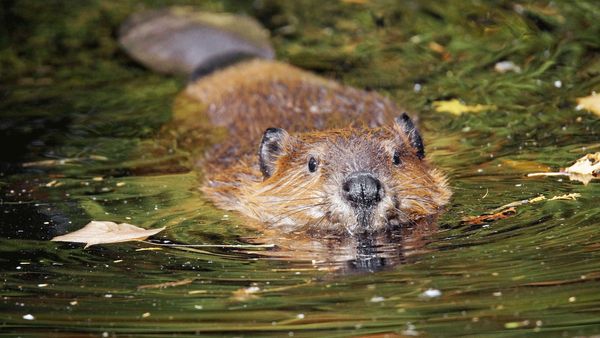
(270, 148)
(407, 126)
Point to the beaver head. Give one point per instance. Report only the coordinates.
(351, 179)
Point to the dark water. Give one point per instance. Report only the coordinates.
(68, 93)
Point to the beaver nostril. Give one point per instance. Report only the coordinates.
(362, 189)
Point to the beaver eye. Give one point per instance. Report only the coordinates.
(396, 158)
(312, 165)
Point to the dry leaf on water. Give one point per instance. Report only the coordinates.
(584, 169)
(456, 107)
(102, 232)
(591, 103)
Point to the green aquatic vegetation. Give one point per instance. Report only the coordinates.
(67, 91)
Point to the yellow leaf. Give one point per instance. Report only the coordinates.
(590, 103)
(102, 232)
(456, 107)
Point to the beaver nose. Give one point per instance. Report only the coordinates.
(362, 189)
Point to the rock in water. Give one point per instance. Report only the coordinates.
(180, 40)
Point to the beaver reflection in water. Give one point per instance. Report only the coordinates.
(331, 158)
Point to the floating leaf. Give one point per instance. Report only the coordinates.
(584, 169)
(590, 103)
(456, 107)
(102, 232)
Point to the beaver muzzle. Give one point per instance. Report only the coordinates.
(362, 190)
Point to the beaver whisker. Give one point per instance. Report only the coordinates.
(418, 199)
(401, 215)
(304, 185)
(414, 178)
(294, 207)
(403, 179)
(405, 217)
(293, 212)
(403, 188)
(321, 219)
(295, 199)
(350, 232)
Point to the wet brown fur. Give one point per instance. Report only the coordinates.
(345, 129)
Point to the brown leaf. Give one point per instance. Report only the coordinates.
(102, 232)
(486, 218)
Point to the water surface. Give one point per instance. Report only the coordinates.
(69, 93)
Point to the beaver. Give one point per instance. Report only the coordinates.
(304, 153)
